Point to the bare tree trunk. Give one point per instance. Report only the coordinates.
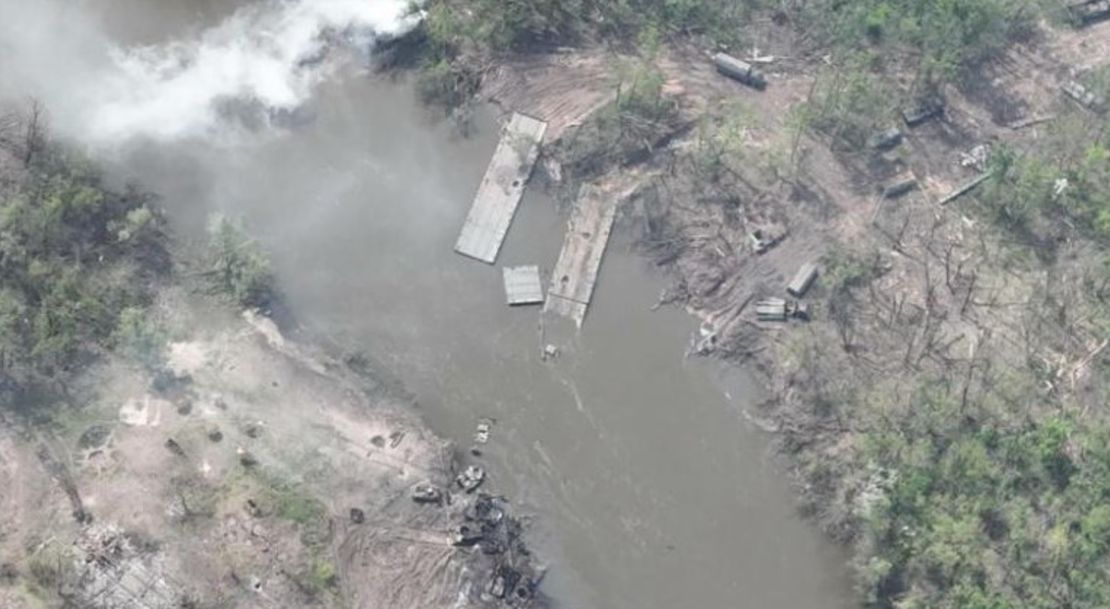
(34, 132)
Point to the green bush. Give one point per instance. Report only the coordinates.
(444, 83)
(67, 274)
(1065, 178)
(499, 25)
(141, 337)
(850, 103)
(942, 36)
(237, 267)
(984, 506)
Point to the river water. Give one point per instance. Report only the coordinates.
(648, 488)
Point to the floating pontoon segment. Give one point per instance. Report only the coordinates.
(522, 285)
(501, 189)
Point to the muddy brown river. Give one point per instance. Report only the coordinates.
(648, 488)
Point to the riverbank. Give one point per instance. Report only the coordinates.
(159, 449)
(253, 470)
(930, 365)
(358, 203)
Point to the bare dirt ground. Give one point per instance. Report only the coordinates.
(260, 473)
(561, 88)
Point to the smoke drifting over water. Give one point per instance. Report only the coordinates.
(266, 57)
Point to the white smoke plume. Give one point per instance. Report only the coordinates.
(268, 55)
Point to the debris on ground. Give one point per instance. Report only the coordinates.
(706, 341)
(1059, 187)
(490, 529)
(899, 188)
(1031, 121)
(467, 535)
(550, 352)
(964, 189)
(114, 571)
(757, 57)
(357, 516)
(175, 448)
(976, 158)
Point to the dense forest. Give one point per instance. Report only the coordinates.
(941, 39)
(978, 483)
(78, 261)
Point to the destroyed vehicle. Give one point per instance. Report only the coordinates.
(925, 111)
(899, 188)
(1083, 96)
(504, 582)
(771, 309)
(471, 478)
(525, 589)
(497, 587)
(803, 279)
(1089, 12)
(780, 310)
(426, 493)
(886, 140)
(740, 71)
(763, 239)
(485, 509)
